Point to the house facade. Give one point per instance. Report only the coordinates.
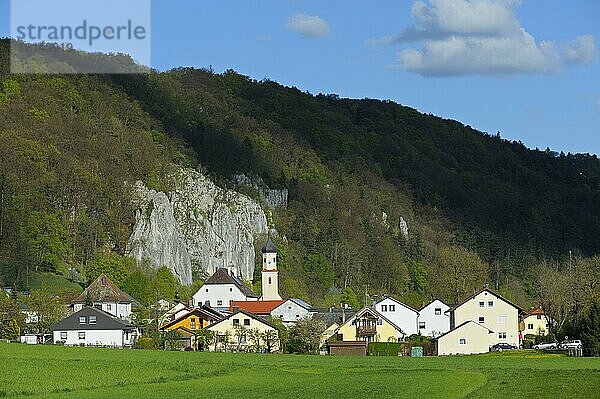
(467, 338)
(221, 289)
(93, 327)
(433, 320)
(491, 311)
(400, 314)
(535, 322)
(103, 294)
(187, 323)
(245, 331)
(370, 326)
(292, 310)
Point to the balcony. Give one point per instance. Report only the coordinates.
(366, 331)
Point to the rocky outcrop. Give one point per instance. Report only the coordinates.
(215, 227)
(157, 237)
(270, 197)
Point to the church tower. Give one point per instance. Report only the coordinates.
(270, 275)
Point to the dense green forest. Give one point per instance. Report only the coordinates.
(480, 209)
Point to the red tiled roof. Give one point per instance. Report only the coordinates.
(256, 307)
(536, 311)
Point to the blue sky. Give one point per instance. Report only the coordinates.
(529, 69)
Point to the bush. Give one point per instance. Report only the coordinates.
(145, 343)
(383, 349)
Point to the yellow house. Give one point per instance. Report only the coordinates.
(491, 311)
(468, 338)
(535, 322)
(368, 325)
(189, 323)
(244, 331)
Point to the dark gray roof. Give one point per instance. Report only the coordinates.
(301, 303)
(335, 315)
(222, 276)
(104, 321)
(269, 247)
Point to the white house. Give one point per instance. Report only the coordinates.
(221, 289)
(433, 320)
(103, 294)
(491, 311)
(400, 314)
(468, 338)
(292, 310)
(94, 327)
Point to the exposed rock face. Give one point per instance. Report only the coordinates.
(157, 236)
(271, 198)
(216, 227)
(403, 227)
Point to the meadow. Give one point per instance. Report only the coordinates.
(59, 372)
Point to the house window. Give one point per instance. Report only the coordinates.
(539, 317)
(270, 280)
(242, 338)
(379, 322)
(421, 325)
(230, 289)
(502, 335)
(462, 341)
(438, 311)
(384, 308)
(481, 319)
(501, 319)
(481, 304)
(63, 335)
(207, 290)
(246, 322)
(108, 307)
(392, 308)
(530, 326)
(297, 316)
(236, 322)
(219, 303)
(82, 319)
(490, 304)
(193, 323)
(82, 335)
(92, 319)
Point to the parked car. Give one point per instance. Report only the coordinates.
(571, 344)
(502, 346)
(546, 346)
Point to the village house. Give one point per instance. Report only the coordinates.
(400, 314)
(245, 331)
(433, 320)
(535, 322)
(292, 310)
(94, 327)
(498, 316)
(368, 325)
(103, 294)
(467, 338)
(221, 289)
(188, 322)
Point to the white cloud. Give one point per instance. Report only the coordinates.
(308, 26)
(462, 37)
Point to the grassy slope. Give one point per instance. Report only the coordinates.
(57, 372)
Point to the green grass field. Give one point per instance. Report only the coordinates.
(58, 372)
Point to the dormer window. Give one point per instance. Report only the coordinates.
(82, 319)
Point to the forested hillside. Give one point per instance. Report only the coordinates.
(480, 209)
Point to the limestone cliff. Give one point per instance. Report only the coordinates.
(199, 224)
